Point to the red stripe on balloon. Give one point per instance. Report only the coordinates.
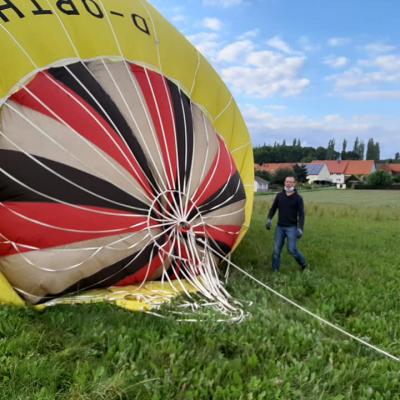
(23, 230)
(226, 234)
(222, 168)
(158, 100)
(68, 106)
(148, 271)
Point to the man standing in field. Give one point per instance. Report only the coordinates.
(290, 208)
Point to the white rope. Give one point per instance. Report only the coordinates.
(203, 171)
(320, 319)
(214, 170)
(195, 73)
(138, 177)
(62, 177)
(35, 221)
(224, 109)
(144, 108)
(78, 135)
(69, 37)
(248, 144)
(97, 283)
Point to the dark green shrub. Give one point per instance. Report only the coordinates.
(379, 178)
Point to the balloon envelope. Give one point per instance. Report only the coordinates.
(123, 157)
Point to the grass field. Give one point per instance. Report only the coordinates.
(102, 352)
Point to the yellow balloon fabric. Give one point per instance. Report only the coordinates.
(38, 35)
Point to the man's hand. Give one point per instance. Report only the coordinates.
(299, 233)
(268, 224)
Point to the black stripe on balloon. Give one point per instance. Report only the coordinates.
(29, 172)
(217, 246)
(183, 131)
(111, 113)
(228, 194)
(112, 274)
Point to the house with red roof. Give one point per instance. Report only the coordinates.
(315, 172)
(273, 167)
(392, 169)
(342, 171)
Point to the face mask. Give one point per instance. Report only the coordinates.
(287, 189)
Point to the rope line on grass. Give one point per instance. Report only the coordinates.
(320, 319)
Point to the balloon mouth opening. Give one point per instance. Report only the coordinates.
(175, 217)
(184, 226)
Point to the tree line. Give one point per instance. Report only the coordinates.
(295, 152)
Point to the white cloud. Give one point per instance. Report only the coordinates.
(378, 47)
(276, 107)
(235, 51)
(280, 79)
(261, 73)
(389, 63)
(249, 69)
(359, 77)
(372, 94)
(332, 118)
(277, 43)
(178, 18)
(336, 62)
(222, 3)
(338, 41)
(372, 78)
(249, 34)
(266, 127)
(212, 23)
(307, 45)
(206, 42)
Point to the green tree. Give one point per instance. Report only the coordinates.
(370, 150)
(264, 175)
(281, 174)
(300, 172)
(350, 155)
(373, 150)
(344, 147)
(330, 151)
(361, 150)
(379, 178)
(320, 153)
(356, 147)
(377, 152)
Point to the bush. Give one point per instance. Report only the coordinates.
(376, 187)
(379, 178)
(396, 178)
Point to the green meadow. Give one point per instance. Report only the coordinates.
(102, 352)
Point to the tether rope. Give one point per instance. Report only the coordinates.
(303, 309)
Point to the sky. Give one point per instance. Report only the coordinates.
(308, 69)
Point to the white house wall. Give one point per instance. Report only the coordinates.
(337, 178)
(323, 175)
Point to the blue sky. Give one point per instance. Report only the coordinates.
(308, 69)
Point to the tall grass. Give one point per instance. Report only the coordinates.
(102, 352)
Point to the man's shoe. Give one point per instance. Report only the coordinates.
(303, 267)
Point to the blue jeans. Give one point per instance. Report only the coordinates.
(289, 232)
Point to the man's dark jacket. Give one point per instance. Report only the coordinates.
(291, 209)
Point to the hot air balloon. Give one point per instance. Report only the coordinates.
(123, 156)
